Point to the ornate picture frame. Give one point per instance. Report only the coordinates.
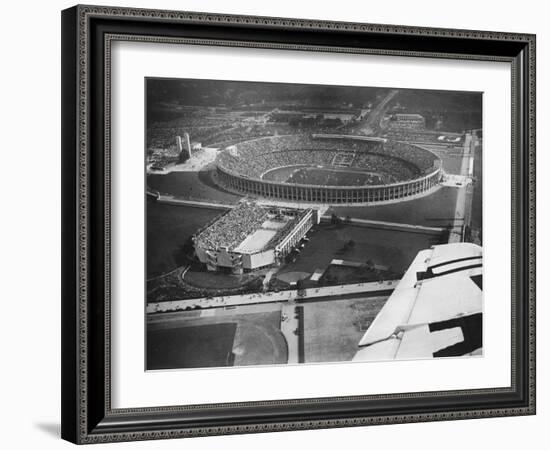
(88, 33)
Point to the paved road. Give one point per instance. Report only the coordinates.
(271, 297)
(289, 327)
(464, 197)
(372, 124)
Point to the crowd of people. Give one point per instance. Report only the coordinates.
(423, 159)
(162, 134)
(233, 227)
(399, 161)
(244, 131)
(394, 169)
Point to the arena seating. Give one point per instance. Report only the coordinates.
(233, 227)
(395, 161)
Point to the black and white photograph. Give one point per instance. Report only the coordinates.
(303, 223)
(275, 225)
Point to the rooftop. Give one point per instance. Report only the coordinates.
(401, 116)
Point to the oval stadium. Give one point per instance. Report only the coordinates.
(329, 169)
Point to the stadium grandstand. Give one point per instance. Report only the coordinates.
(328, 168)
(251, 236)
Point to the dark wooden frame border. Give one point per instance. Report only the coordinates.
(87, 31)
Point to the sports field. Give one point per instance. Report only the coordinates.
(259, 339)
(219, 337)
(251, 335)
(193, 346)
(322, 176)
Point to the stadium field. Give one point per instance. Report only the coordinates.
(321, 176)
(191, 347)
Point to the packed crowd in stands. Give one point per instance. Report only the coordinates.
(396, 169)
(253, 158)
(233, 227)
(423, 159)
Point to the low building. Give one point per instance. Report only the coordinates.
(407, 122)
(252, 236)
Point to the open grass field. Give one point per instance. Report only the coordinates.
(168, 229)
(332, 329)
(220, 337)
(192, 346)
(218, 280)
(259, 340)
(251, 335)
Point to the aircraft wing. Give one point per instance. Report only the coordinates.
(436, 309)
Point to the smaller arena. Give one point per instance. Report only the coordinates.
(327, 168)
(251, 236)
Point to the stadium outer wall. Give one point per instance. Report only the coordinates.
(305, 193)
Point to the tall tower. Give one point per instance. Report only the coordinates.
(184, 148)
(187, 144)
